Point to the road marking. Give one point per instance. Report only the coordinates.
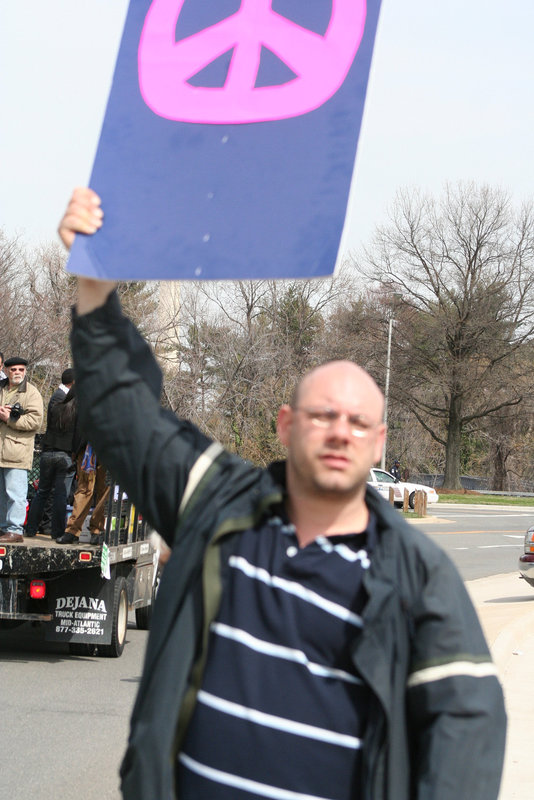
(487, 516)
(484, 547)
(493, 546)
(456, 533)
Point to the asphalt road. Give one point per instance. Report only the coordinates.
(64, 719)
(481, 540)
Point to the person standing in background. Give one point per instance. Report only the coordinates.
(21, 416)
(67, 381)
(91, 488)
(55, 465)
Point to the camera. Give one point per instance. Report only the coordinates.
(16, 411)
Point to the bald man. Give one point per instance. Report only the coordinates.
(306, 642)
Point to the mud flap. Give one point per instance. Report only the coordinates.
(82, 607)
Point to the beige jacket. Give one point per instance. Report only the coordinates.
(17, 436)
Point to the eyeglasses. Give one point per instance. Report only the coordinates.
(326, 417)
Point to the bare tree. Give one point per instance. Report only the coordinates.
(48, 298)
(462, 269)
(508, 437)
(11, 285)
(242, 347)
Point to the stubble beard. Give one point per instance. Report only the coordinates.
(334, 488)
(328, 484)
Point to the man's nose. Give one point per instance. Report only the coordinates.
(340, 427)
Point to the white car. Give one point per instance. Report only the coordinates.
(382, 481)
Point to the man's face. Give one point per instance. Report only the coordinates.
(327, 458)
(16, 374)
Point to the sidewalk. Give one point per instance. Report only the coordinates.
(505, 604)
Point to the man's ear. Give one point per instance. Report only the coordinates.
(379, 442)
(283, 423)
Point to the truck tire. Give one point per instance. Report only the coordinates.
(143, 616)
(119, 622)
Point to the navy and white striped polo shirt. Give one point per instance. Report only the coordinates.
(281, 712)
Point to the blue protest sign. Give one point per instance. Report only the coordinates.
(229, 139)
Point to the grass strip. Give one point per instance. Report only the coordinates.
(484, 499)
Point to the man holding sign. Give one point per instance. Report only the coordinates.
(306, 642)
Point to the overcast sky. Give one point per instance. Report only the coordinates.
(450, 98)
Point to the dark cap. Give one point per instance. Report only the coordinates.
(14, 360)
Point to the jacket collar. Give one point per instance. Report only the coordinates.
(4, 384)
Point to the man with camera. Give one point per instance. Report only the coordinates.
(21, 415)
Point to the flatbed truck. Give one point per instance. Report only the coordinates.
(82, 593)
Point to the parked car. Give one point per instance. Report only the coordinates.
(382, 481)
(526, 561)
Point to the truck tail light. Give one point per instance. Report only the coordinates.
(37, 590)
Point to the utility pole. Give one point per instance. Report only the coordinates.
(386, 388)
(393, 300)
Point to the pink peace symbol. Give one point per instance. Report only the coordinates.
(320, 63)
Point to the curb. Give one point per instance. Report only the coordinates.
(425, 520)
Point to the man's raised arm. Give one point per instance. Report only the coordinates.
(147, 449)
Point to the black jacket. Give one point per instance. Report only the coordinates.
(437, 721)
(57, 438)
